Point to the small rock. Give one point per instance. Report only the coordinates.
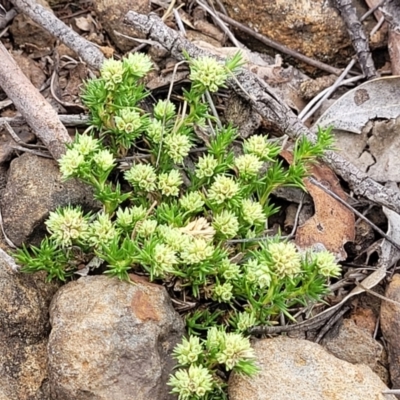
(111, 14)
(357, 346)
(313, 28)
(112, 340)
(302, 370)
(24, 329)
(26, 32)
(390, 325)
(31, 69)
(34, 188)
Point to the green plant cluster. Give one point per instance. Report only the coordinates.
(196, 219)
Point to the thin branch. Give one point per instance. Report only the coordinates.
(357, 36)
(38, 113)
(47, 20)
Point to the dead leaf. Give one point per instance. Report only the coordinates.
(378, 98)
(84, 23)
(390, 255)
(332, 224)
(199, 228)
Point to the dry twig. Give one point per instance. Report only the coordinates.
(47, 20)
(38, 113)
(357, 36)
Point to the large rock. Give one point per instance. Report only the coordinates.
(390, 324)
(24, 329)
(34, 188)
(356, 345)
(111, 14)
(112, 340)
(302, 370)
(312, 27)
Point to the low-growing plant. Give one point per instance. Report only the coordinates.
(196, 219)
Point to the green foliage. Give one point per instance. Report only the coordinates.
(184, 219)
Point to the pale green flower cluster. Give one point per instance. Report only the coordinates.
(257, 145)
(245, 320)
(228, 270)
(252, 212)
(137, 64)
(206, 166)
(209, 73)
(124, 218)
(258, 273)
(173, 237)
(86, 144)
(67, 226)
(70, 163)
(146, 228)
(177, 146)
(142, 176)
(286, 261)
(223, 292)
(84, 155)
(112, 73)
(164, 259)
(169, 183)
(196, 251)
(194, 381)
(188, 351)
(155, 130)
(326, 264)
(235, 348)
(229, 349)
(192, 201)
(104, 160)
(102, 231)
(223, 188)
(226, 223)
(249, 165)
(128, 120)
(164, 110)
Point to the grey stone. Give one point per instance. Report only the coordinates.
(302, 370)
(34, 188)
(112, 340)
(357, 346)
(24, 329)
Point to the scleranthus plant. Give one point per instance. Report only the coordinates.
(196, 220)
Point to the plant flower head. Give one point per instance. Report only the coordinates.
(112, 72)
(252, 212)
(222, 189)
(208, 73)
(235, 349)
(142, 176)
(326, 264)
(188, 351)
(70, 163)
(257, 145)
(226, 223)
(249, 165)
(170, 182)
(195, 381)
(286, 261)
(68, 225)
(137, 64)
(177, 146)
(164, 110)
(206, 166)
